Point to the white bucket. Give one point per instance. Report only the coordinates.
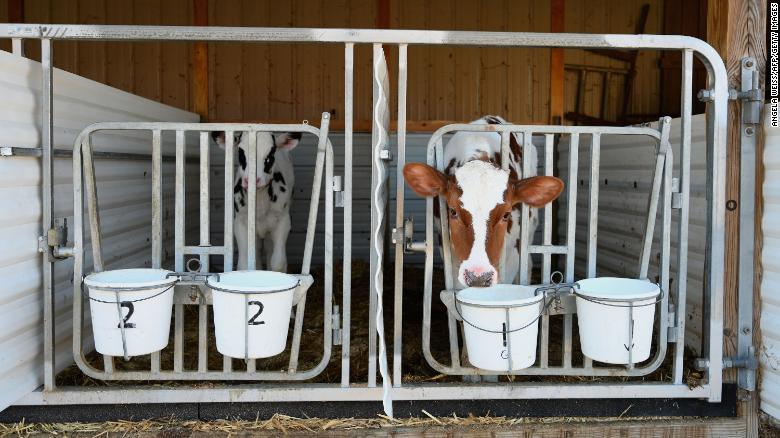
(613, 313)
(252, 312)
(500, 325)
(141, 299)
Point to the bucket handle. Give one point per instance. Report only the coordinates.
(544, 309)
(605, 301)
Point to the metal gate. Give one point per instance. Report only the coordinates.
(347, 390)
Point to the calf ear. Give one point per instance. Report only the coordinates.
(536, 191)
(219, 138)
(425, 180)
(287, 141)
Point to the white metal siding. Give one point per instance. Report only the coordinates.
(124, 188)
(769, 352)
(625, 179)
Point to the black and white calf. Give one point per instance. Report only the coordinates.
(274, 186)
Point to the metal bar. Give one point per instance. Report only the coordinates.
(399, 219)
(346, 305)
(156, 200)
(92, 206)
(571, 227)
(593, 203)
(78, 253)
(178, 330)
(505, 153)
(333, 35)
(747, 210)
(652, 211)
(525, 236)
(227, 264)
(156, 220)
(322, 147)
(251, 210)
(17, 46)
(47, 222)
(544, 335)
(313, 392)
(548, 250)
(204, 251)
(666, 237)
(22, 151)
(686, 97)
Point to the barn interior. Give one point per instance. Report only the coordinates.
(292, 84)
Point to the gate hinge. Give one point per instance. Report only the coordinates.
(338, 188)
(671, 332)
(751, 94)
(749, 362)
(338, 333)
(677, 197)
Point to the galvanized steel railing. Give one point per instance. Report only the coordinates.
(716, 159)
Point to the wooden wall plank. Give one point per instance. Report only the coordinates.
(119, 55)
(92, 54)
(558, 15)
(413, 14)
(441, 74)
(280, 66)
(175, 56)
(467, 66)
(540, 65)
(254, 59)
(228, 74)
(36, 11)
(519, 82)
(307, 89)
(332, 61)
(493, 83)
(65, 52)
(362, 15)
(199, 87)
(146, 56)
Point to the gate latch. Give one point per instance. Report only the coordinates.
(752, 96)
(56, 240)
(406, 235)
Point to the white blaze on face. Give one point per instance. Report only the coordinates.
(483, 187)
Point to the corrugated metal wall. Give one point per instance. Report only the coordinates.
(280, 82)
(625, 179)
(769, 352)
(124, 188)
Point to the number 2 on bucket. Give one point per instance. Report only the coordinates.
(130, 310)
(253, 320)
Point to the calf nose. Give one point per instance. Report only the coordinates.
(261, 182)
(478, 277)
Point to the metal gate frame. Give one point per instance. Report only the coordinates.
(716, 173)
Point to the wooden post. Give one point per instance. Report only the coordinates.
(736, 28)
(557, 10)
(200, 63)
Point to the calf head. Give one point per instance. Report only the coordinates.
(267, 146)
(480, 198)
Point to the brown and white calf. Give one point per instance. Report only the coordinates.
(484, 201)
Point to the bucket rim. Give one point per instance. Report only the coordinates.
(134, 286)
(214, 283)
(610, 297)
(502, 304)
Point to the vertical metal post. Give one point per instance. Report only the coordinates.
(399, 219)
(746, 377)
(17, 46)
(686, 97)
(156, 219)
(227, 361)
(505, 154)
(571, 227)
(205, 228)
(346, 305)
(47, 189)
(251, 247)
(178, 328)
(593, 213)
(525, 235)
(544, 335)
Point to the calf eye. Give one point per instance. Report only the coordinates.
(453, 213)
(506, 216)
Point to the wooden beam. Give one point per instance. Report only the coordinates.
(200, 63)
(736, 28)
(383, 14)
(557, 10)
(16, 11)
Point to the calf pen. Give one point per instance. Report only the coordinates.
(669, 192)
